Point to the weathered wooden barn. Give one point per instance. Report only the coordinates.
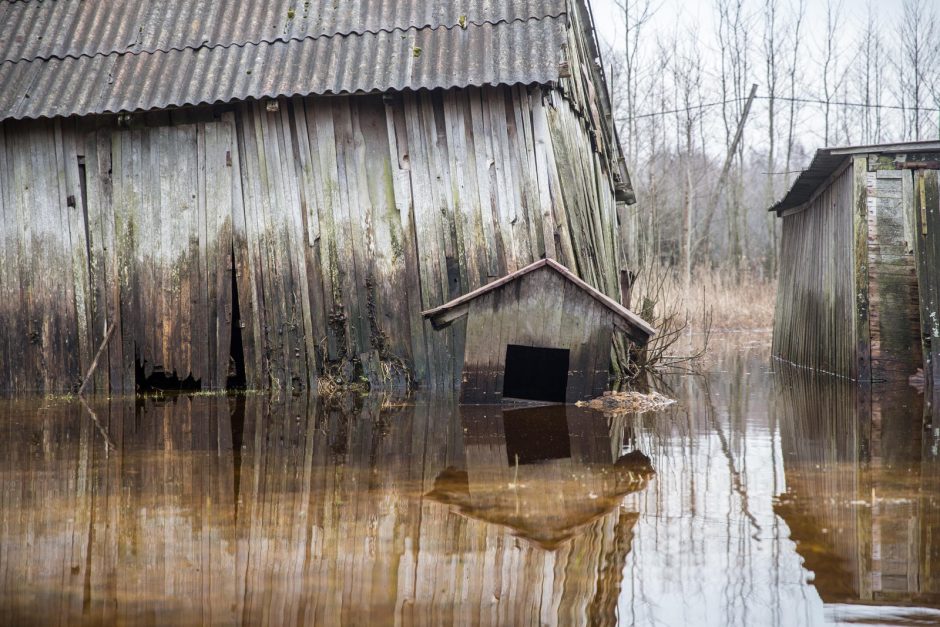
(538, 334)
(858, 290)
(274, 190)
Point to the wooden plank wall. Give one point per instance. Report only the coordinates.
(540, 309)
(926, 206)
(343, 217)
(816, 305)
(44, 299)
(173, 206)
(894, 308)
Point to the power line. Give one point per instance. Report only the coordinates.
(835, 103)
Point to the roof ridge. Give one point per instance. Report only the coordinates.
(598, 295)
(281, 39)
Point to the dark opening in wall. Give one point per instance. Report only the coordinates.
(236, 379)
(536, 434)
(536, 374)
(160, 381)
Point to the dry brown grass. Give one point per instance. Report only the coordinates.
(731, 303)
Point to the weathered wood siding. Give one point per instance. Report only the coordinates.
(540, 309)
(814, 324)
(45, 338)
(342, 219)
(894, 309)
(927, 252)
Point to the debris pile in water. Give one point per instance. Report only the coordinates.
(628, 402)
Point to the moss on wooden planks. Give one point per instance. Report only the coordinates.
(339, 220)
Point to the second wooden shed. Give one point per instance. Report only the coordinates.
(538, 334)
(858, 289)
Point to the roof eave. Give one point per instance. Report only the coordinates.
(634, 326)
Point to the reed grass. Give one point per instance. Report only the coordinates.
(731, 301)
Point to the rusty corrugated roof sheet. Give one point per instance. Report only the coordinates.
(60, 58)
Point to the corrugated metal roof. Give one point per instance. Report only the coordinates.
(827, 160)
(823, 165)
(70, 28)
(75, 58)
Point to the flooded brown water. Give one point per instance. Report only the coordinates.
(764, 497)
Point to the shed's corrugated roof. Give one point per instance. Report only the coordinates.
(70, 57)
(827, 160)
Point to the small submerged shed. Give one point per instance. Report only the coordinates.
(539, 334)
(858, 287)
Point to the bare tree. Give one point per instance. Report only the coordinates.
(636, 14)
(734, 42)
(687, 80)
(772, 45)
(831, 76)
(917, 33)
(793, 71)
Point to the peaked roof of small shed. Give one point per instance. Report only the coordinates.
(828, 160)
(71, 57)
(635, 326)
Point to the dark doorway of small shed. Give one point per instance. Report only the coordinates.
(533, 373)
(536, 434)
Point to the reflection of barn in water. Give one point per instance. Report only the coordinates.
(546, 473)
(319, 517)
(861, 489)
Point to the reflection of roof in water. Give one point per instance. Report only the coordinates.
(545, 503)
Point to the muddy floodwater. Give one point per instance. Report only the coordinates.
(763, 497)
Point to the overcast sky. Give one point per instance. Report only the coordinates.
(696, 16)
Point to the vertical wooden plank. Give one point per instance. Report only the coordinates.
(248, 260)
(862, 334)
(219, 208)
(109, 159)
(285, 326)
(400, 157)
(98, 201)
(76, 207)
(894, 315)
(205, 354)
(428, 232)
(389, 312)
(554, 213)
(312, 197)
(926, 215)
(9, 282)
(486, 183)
(574, 325)
(356, 214)
(303, 342)
(338, 329)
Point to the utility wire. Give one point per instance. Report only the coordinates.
(835, 103)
